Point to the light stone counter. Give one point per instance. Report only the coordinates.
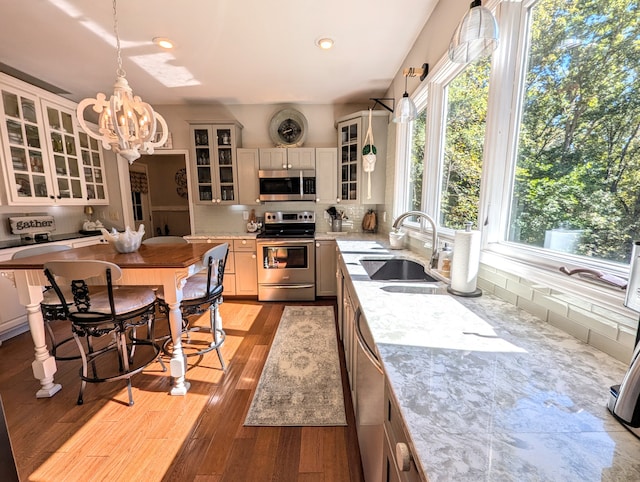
(230, 235)
(489, 392)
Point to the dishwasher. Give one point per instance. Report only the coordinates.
(369, 401)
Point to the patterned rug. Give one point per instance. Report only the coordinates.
(301, 383)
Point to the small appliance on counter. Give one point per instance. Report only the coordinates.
(624, 400)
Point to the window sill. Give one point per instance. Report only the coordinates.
(547, 276)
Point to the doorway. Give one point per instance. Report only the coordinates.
(164, 208)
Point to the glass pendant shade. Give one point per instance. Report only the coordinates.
(476, 35)
(405, 110)
(126, 124)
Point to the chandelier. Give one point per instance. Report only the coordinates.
(126, 124)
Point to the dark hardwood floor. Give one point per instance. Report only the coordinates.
(197, 437)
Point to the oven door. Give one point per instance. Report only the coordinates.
(286, 270)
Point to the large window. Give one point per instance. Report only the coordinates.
(542, 139)
(464, 131)
(576, 184)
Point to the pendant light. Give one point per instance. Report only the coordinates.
(406, 110)
(126, 124)
(476, 35)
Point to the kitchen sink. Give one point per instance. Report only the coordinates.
(415, 289)
(395, 269)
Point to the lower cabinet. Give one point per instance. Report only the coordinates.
(13, 316)
(366, 380)
(398, 462)
(326, 268)
(246, 267)
(241, 270)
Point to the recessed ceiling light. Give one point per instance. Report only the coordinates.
(163, 42)
(324, 43)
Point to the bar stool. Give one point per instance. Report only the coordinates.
(202, 292)
(50, 306)
(105, 309)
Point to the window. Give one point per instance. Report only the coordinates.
(542, 139)
(576, 184)
(136, 200)
(464, 131)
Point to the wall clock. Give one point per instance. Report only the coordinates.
(288, 128)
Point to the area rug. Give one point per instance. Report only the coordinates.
(301, 383)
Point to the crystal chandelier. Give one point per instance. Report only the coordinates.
(126, 124)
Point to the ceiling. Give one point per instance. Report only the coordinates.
(228, 51)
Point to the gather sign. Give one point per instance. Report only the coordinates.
(32, 224)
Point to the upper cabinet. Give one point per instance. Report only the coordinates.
(353, 181)
(41, 140)
(214, 165)
(278, 158)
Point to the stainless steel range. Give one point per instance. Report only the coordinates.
(286, 257)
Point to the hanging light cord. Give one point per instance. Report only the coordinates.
(119, 71)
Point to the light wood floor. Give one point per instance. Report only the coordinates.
(197, 437)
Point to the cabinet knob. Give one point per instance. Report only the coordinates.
(244, 241)
(288, 166)
(403, 457)
(317, 199)
(284, 166)
(218, 200)
(317, 245)
(337, 199)
(254, 256)
(257, 201)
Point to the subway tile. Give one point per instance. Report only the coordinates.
(627, 335)
(614, 316)
(519, 289)
(550, 302)
(569, 326)
(533, 308)
(593, 322)
(507, 275)
(505, 295)
(494, 278)
(615, 349)
(486, 286)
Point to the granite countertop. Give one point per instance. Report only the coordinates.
(489, 392)
(228, 235)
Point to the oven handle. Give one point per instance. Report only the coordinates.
(290, 287)
(301, 182)
(288, 242)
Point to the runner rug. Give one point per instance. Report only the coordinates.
(301, 383)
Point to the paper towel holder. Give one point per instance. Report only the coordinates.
(471, 294)
(468, 294)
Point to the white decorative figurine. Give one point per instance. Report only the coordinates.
(125, 242)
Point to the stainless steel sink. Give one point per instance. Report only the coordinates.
(415, 289)
(395, 269)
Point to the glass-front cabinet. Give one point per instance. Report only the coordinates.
(43, 153)
(353, 182)
(214, 166)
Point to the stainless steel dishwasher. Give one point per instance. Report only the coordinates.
(369, 401)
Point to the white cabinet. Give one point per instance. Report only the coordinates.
(327, 175)
(279, 158)
(398, 461)
(214, 168)
(326, 268)
(241, 270)
(13, 316)
(43, 159)
(248, 183)
(246, 267)
(352, 180)
(93, 168)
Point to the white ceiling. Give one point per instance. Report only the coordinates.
(228, 51)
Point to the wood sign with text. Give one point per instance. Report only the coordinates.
(32, 224)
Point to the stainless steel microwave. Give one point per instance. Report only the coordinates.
(287, 185)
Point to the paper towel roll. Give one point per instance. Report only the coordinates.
(465, 262)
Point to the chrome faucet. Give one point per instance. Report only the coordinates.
(397, 223)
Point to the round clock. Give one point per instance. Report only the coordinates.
(288, 128)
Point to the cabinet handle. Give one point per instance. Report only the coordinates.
(403, 457)
(254, 256)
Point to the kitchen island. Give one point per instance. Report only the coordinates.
(489, 392)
